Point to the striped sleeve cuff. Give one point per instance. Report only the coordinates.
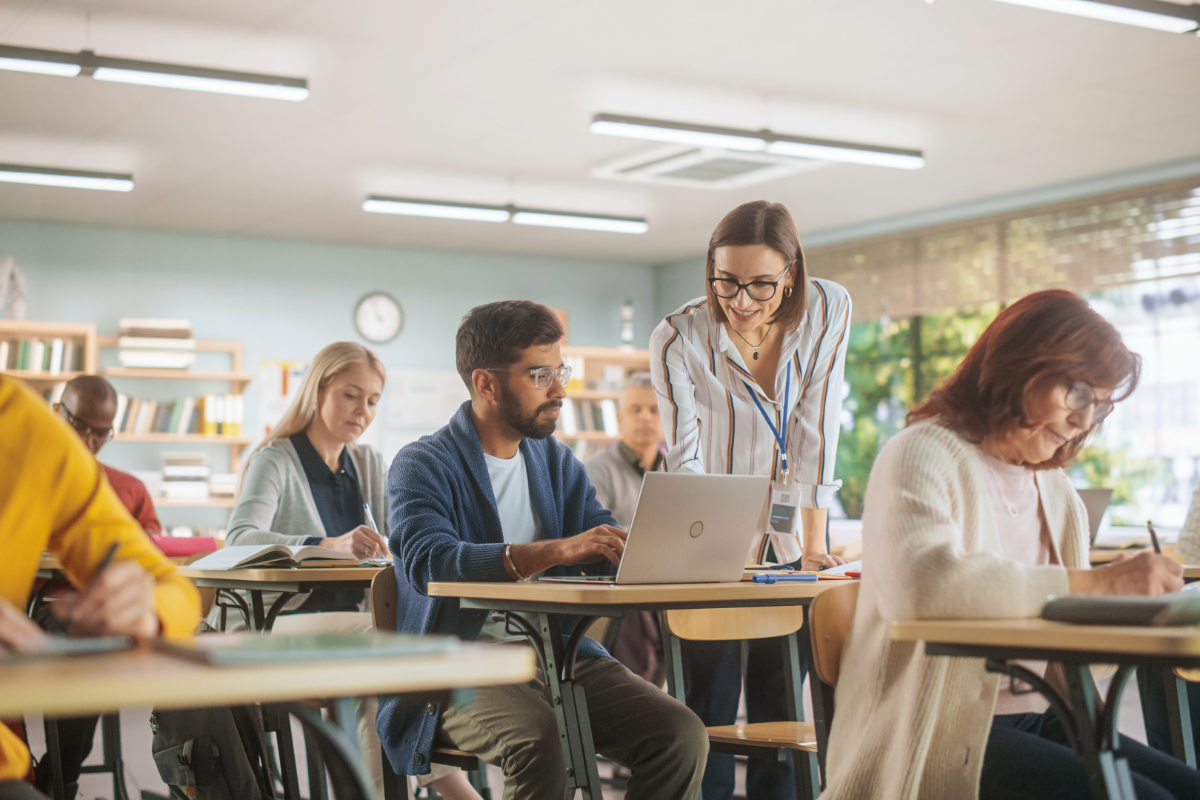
(818, 495)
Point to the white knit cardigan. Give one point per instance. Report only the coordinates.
(908, 726)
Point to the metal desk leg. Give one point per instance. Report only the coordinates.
(570, 708)
(54, 753)
(345, 767)
(110, 733)
(259, 616)
(1179, 717)
(1108, 776)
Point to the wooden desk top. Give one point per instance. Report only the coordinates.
(1101, 557)
(240, 578)
(49, 562)
(678, 595)
(1039, 633)
(143, 677)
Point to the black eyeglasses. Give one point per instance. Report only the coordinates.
(728, 289)
(83, 429)
(542, 376)
(1082, 395)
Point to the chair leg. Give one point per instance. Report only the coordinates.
(317, 788)
(395, 787)
(110, 735)
(54, 753)
(479, 782)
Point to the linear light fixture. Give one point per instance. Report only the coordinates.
(755, 141)
(1156, 14)
(152, 73)
(520, 216)
(66, 178)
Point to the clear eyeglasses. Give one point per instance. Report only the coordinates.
(542, 376)
(85, 430)
(1082, 395)
(727, 289)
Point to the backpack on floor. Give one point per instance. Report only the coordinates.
(212, 753)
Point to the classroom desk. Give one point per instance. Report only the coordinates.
(287, 581)
(144, 677)
(1099, 558)
(548, 600)
(1093, 730)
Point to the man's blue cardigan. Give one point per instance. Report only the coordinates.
(445, 527)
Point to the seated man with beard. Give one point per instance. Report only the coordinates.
(494, 496)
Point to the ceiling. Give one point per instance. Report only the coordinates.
(478, 100)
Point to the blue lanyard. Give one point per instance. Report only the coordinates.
(781, 434)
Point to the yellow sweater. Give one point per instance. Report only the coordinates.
(54, 498)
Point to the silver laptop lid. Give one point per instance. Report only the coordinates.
(1096, 502)
(691, 528)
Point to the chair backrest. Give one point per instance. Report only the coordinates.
(829, 619)
(383, 600)
(720, 624)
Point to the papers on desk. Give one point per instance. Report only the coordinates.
(264, 648)
(1178, 608)
(849, 566)
(244, 556)
(56, 647)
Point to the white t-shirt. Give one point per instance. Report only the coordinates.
(518, 524)
(1024, 537)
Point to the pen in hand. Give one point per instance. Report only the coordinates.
(60, 626)
(1153, 537)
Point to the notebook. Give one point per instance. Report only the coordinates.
(239, 649)
(1178, 608)
(269, 555)
(57, 647)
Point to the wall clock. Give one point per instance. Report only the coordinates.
(378, 317)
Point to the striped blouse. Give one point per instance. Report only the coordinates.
(712, 424)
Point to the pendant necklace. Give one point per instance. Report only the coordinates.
(1011, 508)
(747, 341)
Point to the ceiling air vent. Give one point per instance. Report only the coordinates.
(702, 167)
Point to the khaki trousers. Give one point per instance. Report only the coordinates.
(634, 723)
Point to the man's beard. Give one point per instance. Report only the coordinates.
(526, 425)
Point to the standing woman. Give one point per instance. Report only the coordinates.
(749, 382)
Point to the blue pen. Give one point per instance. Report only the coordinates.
(370, 518)
(799, 577)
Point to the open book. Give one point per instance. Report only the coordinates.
(243, 556)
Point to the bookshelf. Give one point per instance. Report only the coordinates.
(81, 335)
(595, 361)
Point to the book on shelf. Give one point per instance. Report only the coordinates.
(155, 343)
(155, 328)
(156, 359)
(52, 356)
(222, 484)
(180, 416)
(272, 555)
(608, 417)
(566, 417)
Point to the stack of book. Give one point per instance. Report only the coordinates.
(156, 344)
(596, 416)
(185, 476)
(210, 414)
(222, 484)
(49, 356)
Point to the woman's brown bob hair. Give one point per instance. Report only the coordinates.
(1043, 339)
(766, 223)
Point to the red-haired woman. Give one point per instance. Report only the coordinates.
(970, 515)
(749, 382)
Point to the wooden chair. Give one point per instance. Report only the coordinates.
(769, 740)
(383, 615)
(829, 618)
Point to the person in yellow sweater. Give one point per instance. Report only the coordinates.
(54, 498)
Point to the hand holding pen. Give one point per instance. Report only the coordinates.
(118, 600)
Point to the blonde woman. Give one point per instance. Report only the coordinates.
(306, 485)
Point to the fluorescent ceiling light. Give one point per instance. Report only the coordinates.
(153, 73)
(585, 222)
(483, 213)
(431, 208)
(658, 131)
(752, 141)
(1156, 14)
(66, 178)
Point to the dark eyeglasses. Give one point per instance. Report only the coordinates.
(728, 289)
(1082, 395)
(542, 376)
(83, 429)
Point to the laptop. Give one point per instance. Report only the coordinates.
(688, 528)
(1096, 502)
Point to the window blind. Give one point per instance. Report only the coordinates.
(1085, 245)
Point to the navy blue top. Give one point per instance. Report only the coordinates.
(445, 527)
(339, 502)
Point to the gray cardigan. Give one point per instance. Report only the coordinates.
(276, 505)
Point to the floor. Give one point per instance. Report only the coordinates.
(141, 774)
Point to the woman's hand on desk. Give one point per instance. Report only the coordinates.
(1145, 573)
(362, 542)
(118, 602)
(819, 561)
(17, 630)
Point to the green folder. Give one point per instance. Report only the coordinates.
(239, 649)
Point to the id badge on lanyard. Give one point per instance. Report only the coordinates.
(785, 495)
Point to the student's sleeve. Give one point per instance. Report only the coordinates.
(578, 488)
(676, 398)
(422, 538)
(258, 503)
(817, 419)
(88, 518)
(913, 541)
(144, 511)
